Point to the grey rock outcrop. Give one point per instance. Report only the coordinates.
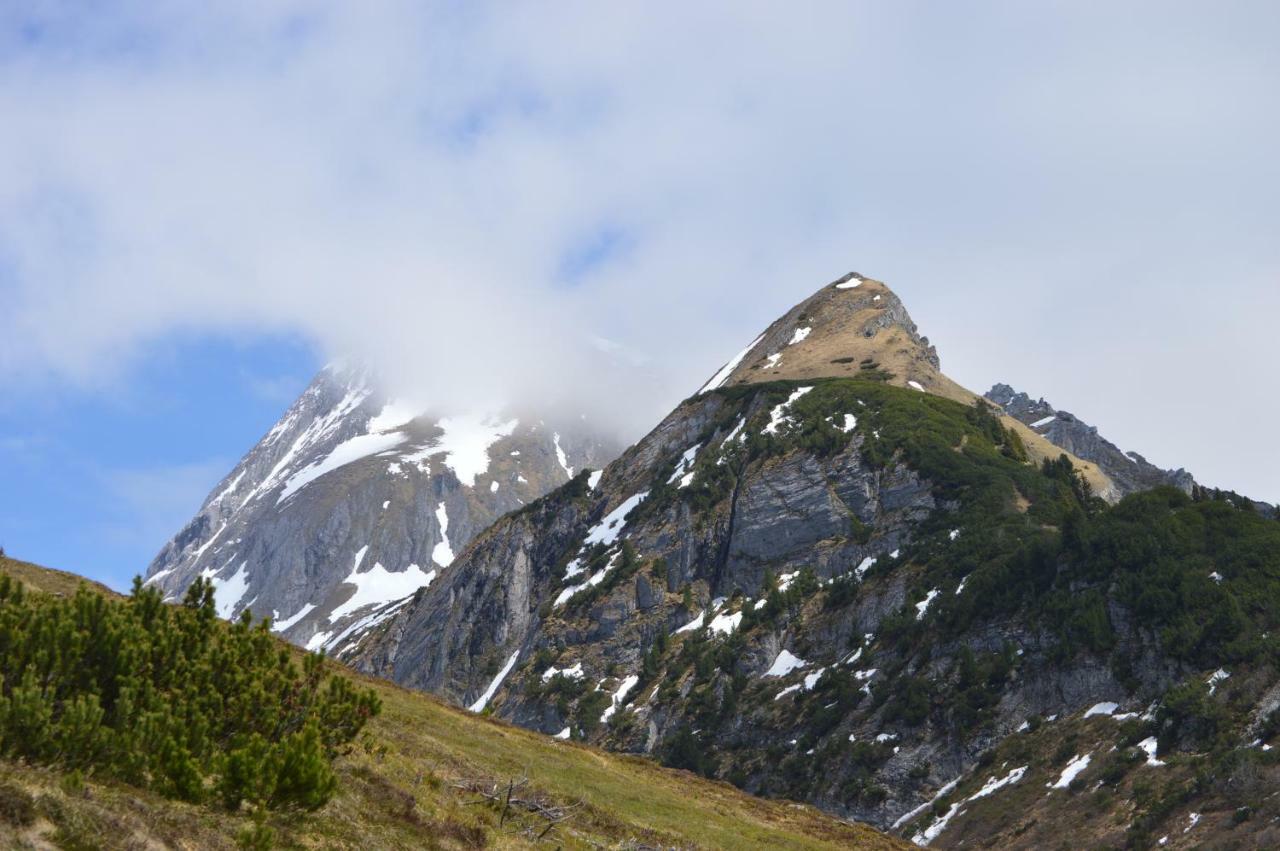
(782, 518)
(1128, 471)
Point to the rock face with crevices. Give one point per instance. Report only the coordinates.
(769, 518)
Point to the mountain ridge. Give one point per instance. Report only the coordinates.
(1128, 470)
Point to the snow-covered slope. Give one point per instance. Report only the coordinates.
(353, 501)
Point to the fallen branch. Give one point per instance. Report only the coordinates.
(513, 797)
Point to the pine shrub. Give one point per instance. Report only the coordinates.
(171, 699)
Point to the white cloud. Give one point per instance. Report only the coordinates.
(1056, 191)
(150, 503)
(279, 389)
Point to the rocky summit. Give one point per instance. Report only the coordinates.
(834, 575)
(1129, 472)
(353, 501)
(856, 327)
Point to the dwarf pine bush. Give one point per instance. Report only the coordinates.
(171, 699)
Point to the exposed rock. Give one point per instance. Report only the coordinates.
(647, 596)
(855, 324)
(1128, 470)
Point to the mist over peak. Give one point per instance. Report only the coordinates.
(466, 198)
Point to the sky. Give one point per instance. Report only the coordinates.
(593, 205)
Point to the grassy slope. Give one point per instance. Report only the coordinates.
(410, 785)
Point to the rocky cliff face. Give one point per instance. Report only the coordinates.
(522, 576)
(716, 540)
(834, 575)
(1129, 471)
(352, 501)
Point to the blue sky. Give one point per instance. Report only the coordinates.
(1076, 199)
(94, 482)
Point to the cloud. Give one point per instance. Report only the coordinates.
(470, 196)
(151, 502)
(280, 389)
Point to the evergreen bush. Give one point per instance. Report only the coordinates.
(171, 699)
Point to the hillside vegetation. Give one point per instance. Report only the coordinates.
(1166, 603)
(419, 775)
(874, 599)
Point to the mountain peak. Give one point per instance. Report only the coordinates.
(853, 325)
(354, 499)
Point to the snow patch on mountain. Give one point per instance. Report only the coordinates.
(230, 488)
(393, 415)
(489, 692)
(353, 449)
(785, 663)
(799, 336)
(1072, 770)
(442, 553)
(228, 592)
(378, 586)
(684, 471)
(933, 831)
(466, 441)
(593, 580)
(574, 673)
(278, 625)
(619, 696)
(725, 371)
(724, 623)
(694, 624)
(607, 530)
(922, 607)
(560, 456)
(314, 434)
(779, 415)
(356, 630)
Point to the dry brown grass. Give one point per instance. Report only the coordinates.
(50, 581)
(836, 347)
